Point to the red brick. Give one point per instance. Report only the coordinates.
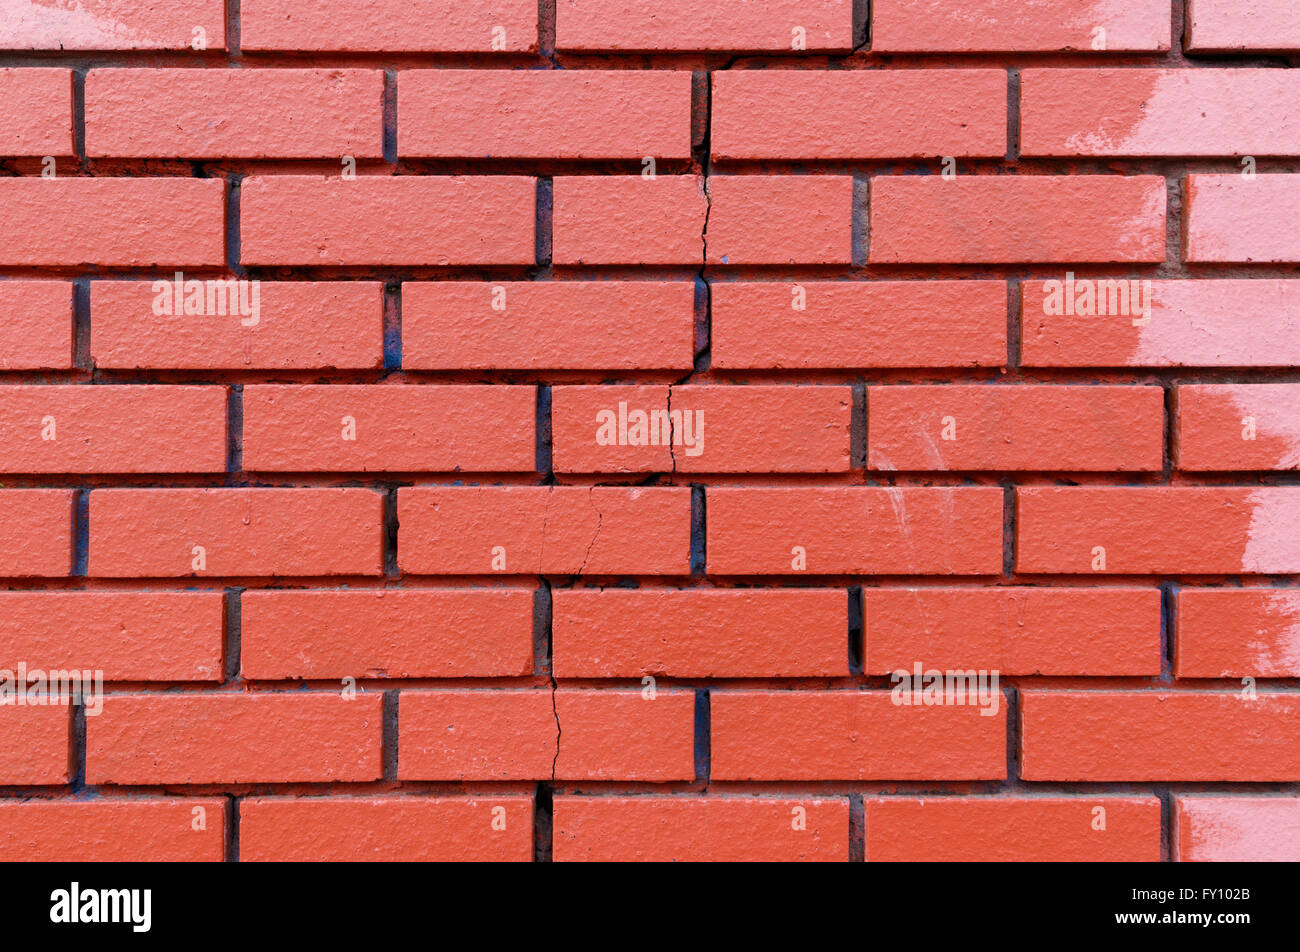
(1238, 427)
(191, 830)
(512, 735)
(858, 324)
(851, 735)
(37, 739)
(629, 219)
(1157, 112)
(551, 325)
(1235, 219)
(113, 429)
(1237, 632)
(992, 219)
(1085, 632)
(1162, 530)
(124, 222)
(1230, 26)
(1247, 829)
(388, 633)
(287, 532)
(715, 829)
(855, 530)
(962, 829)
(780, 219)
(37, 330)
(699, 633)
(544, 114)
(1017, 26)
(649, 25)
(295, 325)
(235, 113)
(1022, 427)
(37, 537)
(786, 114)
(390, 429)
(394, 26)
(235, 738)
(547, 530)
(115, 25)
(38, 117)
(386, 829)
(1158, 736)
(130, 636)
(1200, 323)
(387, 220)
(717, 429)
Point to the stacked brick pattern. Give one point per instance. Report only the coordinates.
(365, 584)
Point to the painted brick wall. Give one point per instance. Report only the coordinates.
(492, 430)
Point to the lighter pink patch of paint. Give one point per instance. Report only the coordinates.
(1281, 652)
(63, 24)
(1277, 417)
(1273, 537)
(1230, 323)
(1239, 829)
(1231, 218)
(1128, 25)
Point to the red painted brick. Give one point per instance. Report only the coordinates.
(151, 830)
(553, 325)
(1160, 530)
(544, 114)
(425, 633)
(235, 113)
(766, 429)
(235, 738)
(548, 530)
(782, 324)
(386, 829)
(629, 219)
(390, 428)
(123, 222)
(1013, 829)
(1201, 323)
(1018, 26)
(1245, 829)
(512, 735)
(699, 633)
(715, 829)
(288, 325)
(781, 114)
(990, 219)
(1233, 218)
(1158, 736)
(780, 219)
(1088, 632)
(1023, 427)
(111, 429)
(114, 25)
(649, 25)
(855, 530)
(1237, 632)
(38, 739)
(851, 735)
(130, 636)
(37, 117)
(387, 220)
(436, 26)
(37, 328)
(1229, 26)
(155, 532)
(1156, 112)
(1238, 427)
(37, 537)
